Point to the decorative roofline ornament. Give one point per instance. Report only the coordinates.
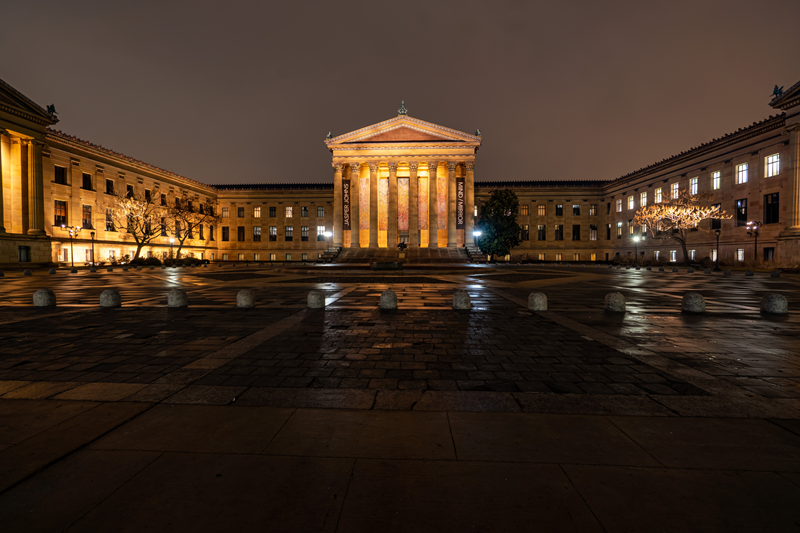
(402, 110)
(478, 133)
(329, 136)
(777, 92)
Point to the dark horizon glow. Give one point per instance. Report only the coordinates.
(245, 92)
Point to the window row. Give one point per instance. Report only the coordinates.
(273, 212)
(288, 233)
(272, 257)
(559, 210)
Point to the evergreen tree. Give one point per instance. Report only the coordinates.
(498, 224)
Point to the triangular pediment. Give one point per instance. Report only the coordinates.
(404, 129)
(17, 103)
(789, 98)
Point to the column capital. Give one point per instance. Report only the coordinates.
(451, 166)
(392, 167)
(337, 167)
(432, 165)
(354, 165)
(373, 166)
(470, 165)
(413, 166)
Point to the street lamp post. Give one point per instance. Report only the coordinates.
(73, 232)
(477, 234)
(716, 267)
(636, 240)
(752, 230)
(92, 234)
(171, 242)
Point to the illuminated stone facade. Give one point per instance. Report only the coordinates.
(404, 180)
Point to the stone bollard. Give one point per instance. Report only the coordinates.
(661, 269)
(205, 265)
(44, 298)
(775, 274)
(748, 273)
(177, 298)
(163, 267)
(388, 299)
(219, 264)
(246, 298)
(316, 299)
(693, 303)
(610, 266)
(461, 300)
(726, 272)
(674, 269)
(707, 271)
(109, 269)
(27, 272)
(537, 301)
(51, 271)
(138, 267)
(690, 270)
(615, 302)
(774, 304)
(649, 268)
(110, 298)
(152, 267)
(628, 267)
(74, 270)
(124, 268)
(92, 268)
(619, 266)
(637, 267)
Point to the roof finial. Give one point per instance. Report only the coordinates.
(329, 136)
(477, 133)
(402, 110)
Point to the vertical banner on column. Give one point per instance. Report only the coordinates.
(346, 204)
(461, 203)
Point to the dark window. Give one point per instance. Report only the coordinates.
(741, 212)
(163, 199)
(164, 227)
(256, 233)
(109, 186)
(177, 228)
(716, 223)
(211, 233)
(608, 231)
(320, 211)
(272, 212)
(240, 233)
(87, 182)
(576, 232)
(60, 213)
(608, 208)
(273, 232)
(148, 195)
(525, 232)
(200, 228)
(110, 220)
(129, 192)
(559, 232)
(771, 214)
(226, 233)
(87, 217)
(240, 212)
(304, 211)
(288, 233)
(177, 203)
(303, 233)
(769, 254)
(541, 232)
(576, 210)
(61, 175)
(559, 210)
(24, 254)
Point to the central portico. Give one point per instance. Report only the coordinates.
(403, 180)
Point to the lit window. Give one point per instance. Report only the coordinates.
(576, 257)
(673, 256)
(642, 199)
(303, 233)
(256, 212)
(740, 254)
(592, 209)
(523, 210)
(541, 257)
(542, 210)
(741, 173)
(631, 202)
(320, 212)
(619, 205)
(288, 212)
(676, 189)
(713, 255)
(224, 257)
(558, 257)
(693, 186)
(304, 257)
(773, 165)
(619, 230)
(273, 257)
(593, 257)
(655, 255)
(715, 180)
(320, 233)
(304, 212)
(691, 254)
(226, 212)
(288, 233)
(241, 257)
(630, 227)
(256, 233)
(475, 213)
(288, 257)
(658, 195)
(256, 257)
(273, 233)
(576, 210)
(593, 232)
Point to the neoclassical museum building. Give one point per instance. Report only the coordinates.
(400, 180)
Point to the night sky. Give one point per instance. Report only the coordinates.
(245, 92)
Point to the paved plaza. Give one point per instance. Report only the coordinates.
(425, 418)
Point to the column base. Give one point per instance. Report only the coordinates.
(452, 245)
(338, 245)
(373, 245)
(36, 232)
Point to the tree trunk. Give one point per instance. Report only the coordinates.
(139, 246)
(682, 240)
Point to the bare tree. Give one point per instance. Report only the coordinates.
(187, 218)
(676, 217)
(135, 215)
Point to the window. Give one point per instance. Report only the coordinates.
(523, 210)
(109, 186)
(273, 257)
(741, 212)
(541, 232)
(576, 257)
(225, 234)
(630, 227)
(772, 164)
(288, 232)
(240, 212)
(256, 257)
(542, 210)
(110, 219)
(475, 213)
(303, 233)
(177, 202)
(593, 257)
(559, 232)
(211, 233)
(256, 233)
(86, 221)
(163, 199)
(226, 212)
(592, 210)
(559, 210)
(272, 212)
(320, 211)
(256, 212)
(714, 255)
(25, 254)
(673, 256)
(304, 257)
(61, 175)
(593, 232)
(655, 255)
(241, 257)
(769, 253)
(741, 173)
(576, 210)
(87, 182)
(691, 254)
(224, 257)
(541, 257)
(715, 180)
(200, 228)
(608, 232)
(273, 233)
(240, 233)
(558, 257)
(60, 213)
(619, 205)
(129, 191)
(631, 202)
(288, 257)
(771, 213)
(576, 232)
(676, 189)
(608, 208)
(525, 232)
(288, 212)
(177, 228)
(716, 223)
(619, 230)
(693, 186)
(740, 254)
(320, 233)
(643, 199)
(304, 212)
(658, 195)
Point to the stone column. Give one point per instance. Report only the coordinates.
(337, 205)
(433, 207)
(451, 205)
(413, 207)
(373, 205)
(793, 209)
(35, 189)
(2, 226)
(391, 235)
(355, 205)
(469, 183)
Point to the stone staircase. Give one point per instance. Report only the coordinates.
(475, 254)
(413, 255)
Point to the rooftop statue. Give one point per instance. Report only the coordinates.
(329, 136)
(777, 92)
(402, 110)
(52, 109)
